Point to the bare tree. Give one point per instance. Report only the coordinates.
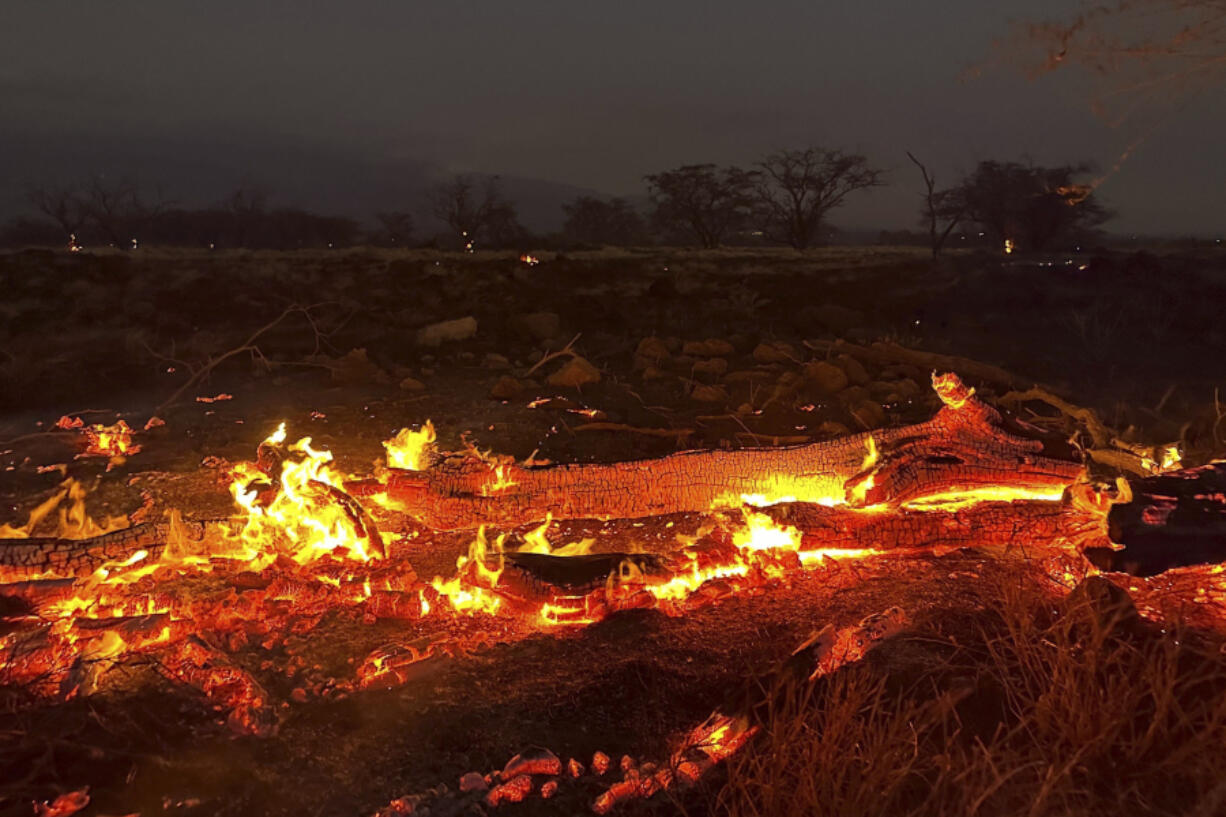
(396, 226)
(797, 188)
(940, 206)
(474, 214)
(596, 221)
(246, 206)
(703, 202)
(1031, 206)
(117, 209)
(63, 205)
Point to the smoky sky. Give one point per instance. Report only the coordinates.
(593, 95)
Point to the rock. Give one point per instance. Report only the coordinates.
(908, 387)
(838, 318)
(879, 389)
(473, 781)
(654, 373)
(711, 347)
(532, 761)
(715, 366)
(537, 325)
(854, 369)
(748, 376)
(1097, 606)
(774, 352)
(412, 384)
(709, 394)
(436, 334)
(853, 394)
(356, 368)
(495, 361)
(652, 351)
(507, 388)
(868, 414)
(833, 429)
(828, 378)
(576, 373)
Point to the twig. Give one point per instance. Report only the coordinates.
(650, 432)
(248, 346)
(568, 349)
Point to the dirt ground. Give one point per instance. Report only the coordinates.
(1137, 337)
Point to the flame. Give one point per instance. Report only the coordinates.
(502, 478)
(301, 516)
(411, 450)
(529, 259)
(1009, 246)
(72, 520)
(471, 589)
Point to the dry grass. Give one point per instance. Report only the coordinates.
(1033, 711)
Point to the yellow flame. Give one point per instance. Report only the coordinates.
(301, 518)
(411, 450)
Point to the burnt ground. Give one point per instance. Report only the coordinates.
(1137, 337)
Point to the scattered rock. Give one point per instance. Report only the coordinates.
(473, 781)
(532, 761)
(495, 361)
(774, 352)
(854, 370)
(833, 429)
(709, 394)
(852, 395)
(868, 414)
(355, 368)
(507, 388)
(711, 347)
(412, 384)
(651, 351)
(436, 334)
(879, 389)
(575, 374)
(654, 373)
(714, 366)
(828, 378)
(908, 387)
(537, 325)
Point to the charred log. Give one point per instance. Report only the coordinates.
(1174, 520)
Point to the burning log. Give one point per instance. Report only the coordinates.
(23, 559)
(1170, 520)
(967, 449)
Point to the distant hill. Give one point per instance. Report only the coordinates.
(198, 172)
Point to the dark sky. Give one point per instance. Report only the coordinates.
(587, 94)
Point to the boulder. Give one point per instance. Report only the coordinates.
(711, 347)
(828, 378)
(436, 334)
(507, 388)
(575, 374)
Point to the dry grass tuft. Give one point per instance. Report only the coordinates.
(1081, 710)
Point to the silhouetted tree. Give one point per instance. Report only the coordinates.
(396, 227)
(702, 202)
(596, 221)
(943, 209)
(246, 208)
(1032, 206)
(474, 214)
(63, 205)
(797, 188)
(117, 209)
